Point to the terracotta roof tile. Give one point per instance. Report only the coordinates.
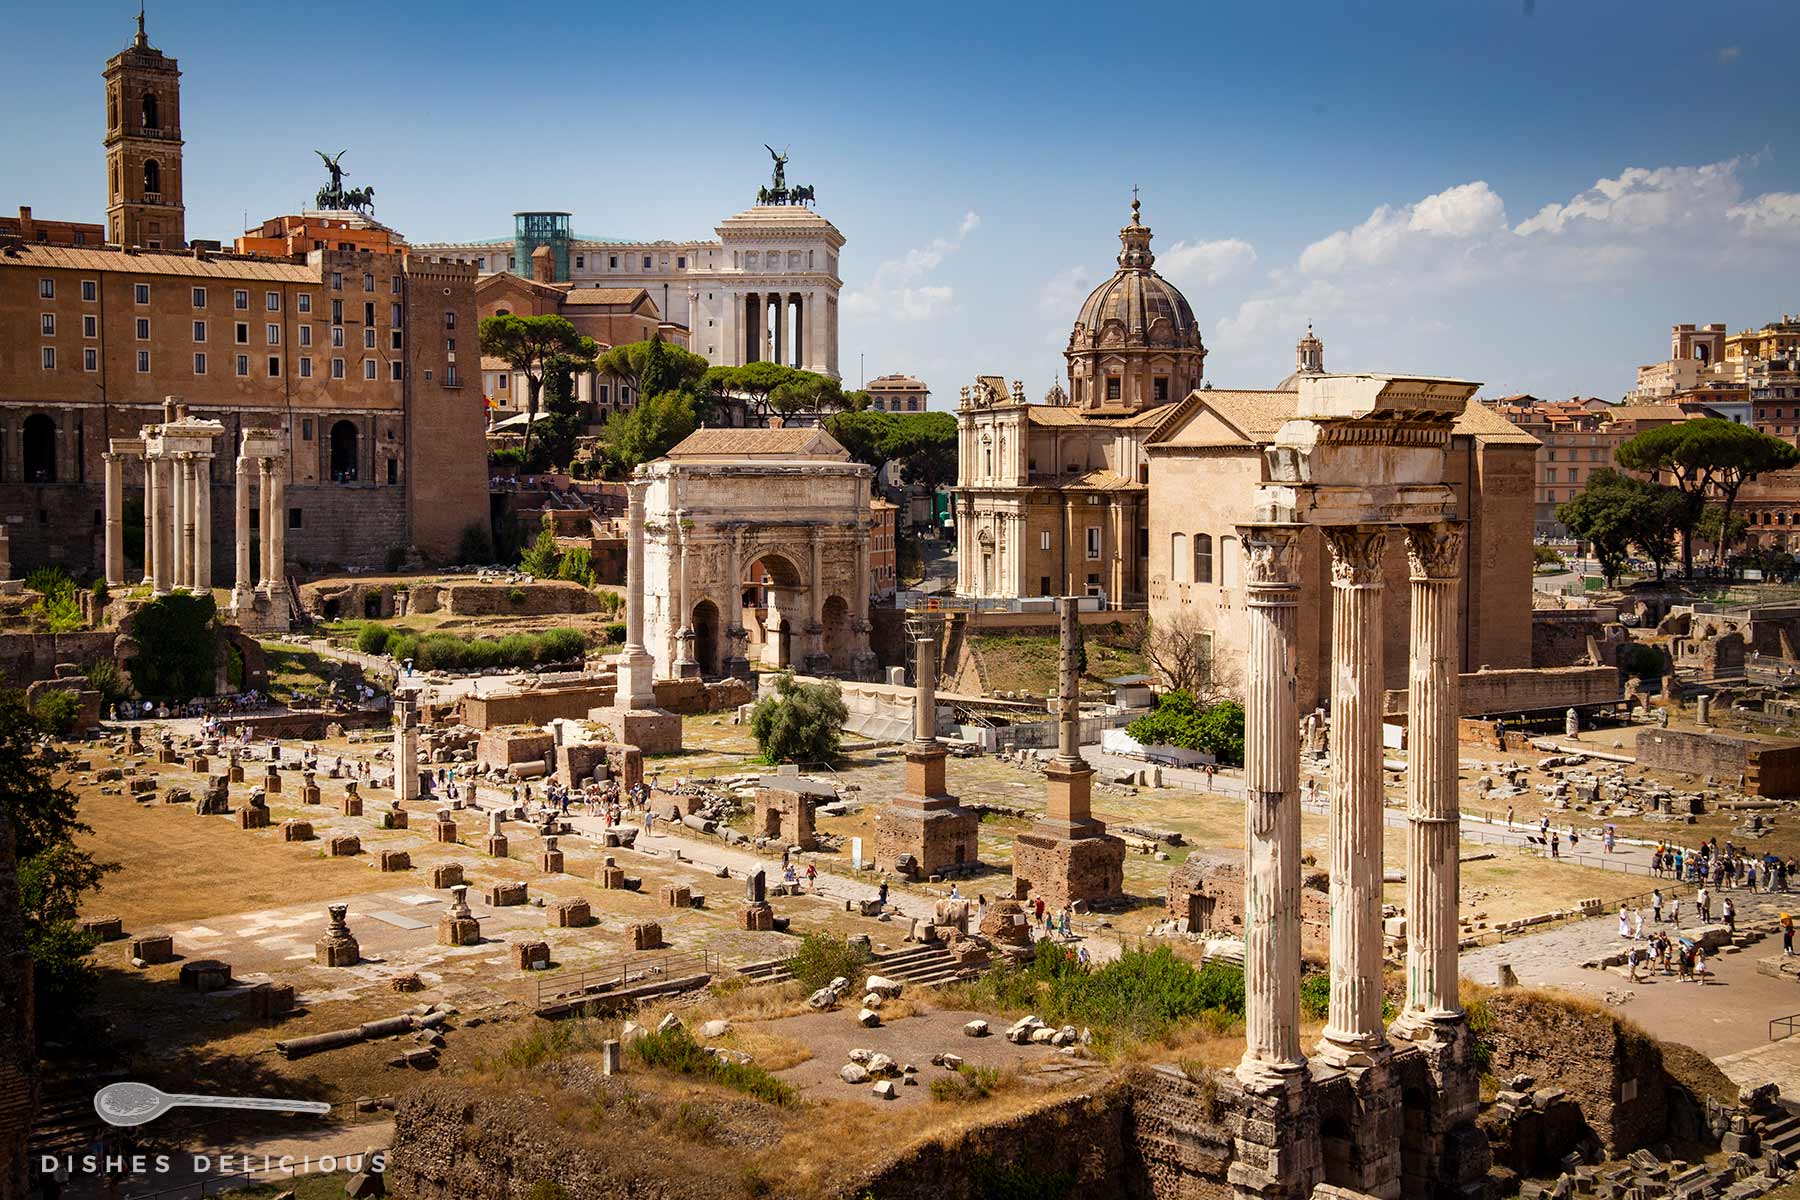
(37, 256)
(760, 443)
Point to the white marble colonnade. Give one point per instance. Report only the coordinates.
(1354, 1035)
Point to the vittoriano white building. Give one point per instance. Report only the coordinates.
(765, 291)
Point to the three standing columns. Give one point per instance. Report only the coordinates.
(1271, 808)
(1354, 1033)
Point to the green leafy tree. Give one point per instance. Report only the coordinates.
(531, 345)
(925, 446)
(1662, 515)
(176, 646)
(1179, 720)
(54, 871)
(655, 366)
(1711, 528)
(560, 425)
(864, 433)
(1605, 514)
(542, 558)
(1706, 457)
(801, 722)
(577, 566)
(649, 431)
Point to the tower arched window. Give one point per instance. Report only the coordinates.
(112, 110)
(150, 121)
(1203, 558)
(1178, 557)
(152, 175)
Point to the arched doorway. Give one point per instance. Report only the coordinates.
(38, 441)
(706, 637)
(344, 452)
(776, 592)
(834, 619)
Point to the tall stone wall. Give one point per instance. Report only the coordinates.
(1528, 689)
(28, 657)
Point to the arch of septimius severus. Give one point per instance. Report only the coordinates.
(1382, 1110)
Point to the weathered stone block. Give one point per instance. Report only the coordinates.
(646, 935)
(108, 929)
(159, 948)
(677, 895)
(253, 818)
(506, 895)
(351, 806)
(446, 875)
(344, 846)
(756, 916)
(396, 860)
(527, 955)
(571, 914)
(296, 831)
(496, 845)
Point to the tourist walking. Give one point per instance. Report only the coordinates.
(1555, 845)
(1787, 936)
(1675, 912)
(1656, 903)
(1703, 904)
(880, 893)
(812, 878)
(1637, 922)
(1730, 915)
(1624, 923)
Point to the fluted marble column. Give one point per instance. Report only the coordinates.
(1353, 1030)
(1271, 808)
(115, 518)
(184, 521)
(162, 553)
(925, 691)
(265, 519)
(636, 688)
(276, 500)
(240, 592)
(406, 751)
(149, 523)
(203, 523)
(1434, 812)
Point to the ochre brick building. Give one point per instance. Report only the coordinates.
(351, 355)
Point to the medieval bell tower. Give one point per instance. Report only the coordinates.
(143, 148)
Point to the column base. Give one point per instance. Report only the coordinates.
(1274, 1134)
(651, 730)
(737, 667)
(1066, 870)
(865, 667)
(636, 687)
(1348, 1051)
(1360, 1135)
(1443, 1152)
(920, 837)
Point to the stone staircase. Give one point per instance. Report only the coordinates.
(919, 966)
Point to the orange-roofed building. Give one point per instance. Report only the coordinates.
(283, 237)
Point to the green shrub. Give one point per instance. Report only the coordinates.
(516, 595)
(966, 1084)
(372, 639)
(49, 581)
(561, 645)
(822, 958)
(1178, 720)
(611, 602)
(102, 595)
(542, 558)
(1140, 994)
(58, 711)
(801, 722)
(577, 566)
(175, 646)
(507, 457)
(104, 676)
(56, 606)
(1315, 995)
(676, 1050)
(613, 633)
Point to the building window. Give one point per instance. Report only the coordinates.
(393, 468)
(49, 358)
(89, 290)
(240, 299)
(394, 342)
(580, 262)
(305, 302)
(199, 364)
(368, 282)
(140, 292)
(337, 368)
(272, 301)
(143, 362)
(274, 366)
(681, 262)
(337, 281)
(47, 324)
(306, 335)
(1044, 540)
(47, 289)
(1178, 559)
(242, 332)
(646, 262)
(199, 331)
(293, 518)
(306, 368)
(450, 319)
(394, 369)
(337, 335)
(368, 368)
(451, 378)
(1161, 390)
(243, 365)
(337, 312)
(143, 329)
(90, 359)
(502, 385)
(1203, 558)
(1093, 541)
(198, 297)
(272, 334)
(368, 337)
(152, 176)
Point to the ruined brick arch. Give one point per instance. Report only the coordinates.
(707, 627)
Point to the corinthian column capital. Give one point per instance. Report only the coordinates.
(1435, 550)
(1357, 552)
(1271, 555)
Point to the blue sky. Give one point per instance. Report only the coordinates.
(1526, 194)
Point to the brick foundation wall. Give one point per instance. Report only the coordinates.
(1528, 689)
(28, 657)
(534, 707)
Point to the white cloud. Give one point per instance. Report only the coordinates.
(896, 292)
(1065, 289)
(1729, 54)
(1202, 263)
(1405, 263)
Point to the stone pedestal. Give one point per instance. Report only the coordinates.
(610, 874)
(344, 846)
(394, 818)
(651, 730)
(571, 914)
(1443, 1153)
(351, 806)
(444, 829)
(531, 956)
(272, 782)
(507, 895)
(458, 927)
(926, 829)
(395, 860)
(446, 875)
(253, 816)
(1275, 1138)
(296, 831)
(550, 859)
(756, 916)
(645, 935)
(337, 948)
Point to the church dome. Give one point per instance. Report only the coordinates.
(1141, 307)
(1135, 342)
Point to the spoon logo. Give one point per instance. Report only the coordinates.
(126, 1104)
